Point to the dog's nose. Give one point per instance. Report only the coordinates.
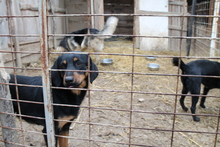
(69, 79)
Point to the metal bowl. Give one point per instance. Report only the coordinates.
(151, 58)
(107, 62)
(153, 66)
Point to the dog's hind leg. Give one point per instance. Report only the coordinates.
(193, 107)
(184, 91)
(195, 86)
(205, 92)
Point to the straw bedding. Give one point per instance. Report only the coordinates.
(110, 113)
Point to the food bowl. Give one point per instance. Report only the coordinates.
(151, 58)
(107, 62)
(153, 66)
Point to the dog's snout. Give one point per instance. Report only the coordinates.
(69, 79)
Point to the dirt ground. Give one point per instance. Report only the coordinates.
(144, 117)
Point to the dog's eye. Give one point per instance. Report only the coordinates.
(63, 66)
(79, 63)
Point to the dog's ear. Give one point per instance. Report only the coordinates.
(93, 75)
(55, 75)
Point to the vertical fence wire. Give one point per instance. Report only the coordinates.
(14, 61)
(89, 11)
(178, 80)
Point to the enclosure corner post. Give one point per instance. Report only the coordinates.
(8, 121)
(189, 29)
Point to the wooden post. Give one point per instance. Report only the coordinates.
(7, 121)
(14, 10)
(136, 25)
(53, 19)
(190, 26)
(98, 8)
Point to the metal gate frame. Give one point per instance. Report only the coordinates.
(46, 74)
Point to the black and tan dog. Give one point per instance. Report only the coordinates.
(203, 68)
(67, 78)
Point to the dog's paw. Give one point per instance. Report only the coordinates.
(185, 109)
(60, 49)
(195, 118)
(202, 105)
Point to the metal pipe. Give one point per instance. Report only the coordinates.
(92, 12)
(214, 29)
(45, 74)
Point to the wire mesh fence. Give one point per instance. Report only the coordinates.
(128, 104)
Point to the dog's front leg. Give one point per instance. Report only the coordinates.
(64, 131)
(193, 107)
(97, 59)
(63, 141)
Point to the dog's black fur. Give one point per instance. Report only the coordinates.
(78, 39)
(193, 84)
(76, 42)
(69, 79)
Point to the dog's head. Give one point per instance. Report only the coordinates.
(73, 70)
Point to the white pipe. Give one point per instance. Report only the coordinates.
(214, 29)
(92, 12)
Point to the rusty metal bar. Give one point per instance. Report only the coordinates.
(132, 97)
(13, 56)
(88, 92)
(217, 129)
(78, 15)
(118, 35)
(155, 15)
(46, 74)
(178, 79)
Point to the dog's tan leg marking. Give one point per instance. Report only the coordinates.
(63, 141)
(63, 120)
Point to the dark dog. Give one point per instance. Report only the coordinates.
(193, 84)
(72, 43)
(66, 78)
